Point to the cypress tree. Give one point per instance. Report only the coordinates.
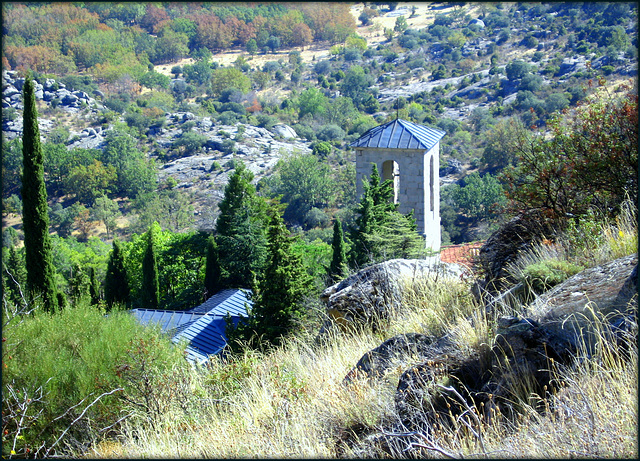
(35, 217)
(338, 268)
(14, 277)
(212, 272)
(282, 287)
(116, 283)
(381, 231)
(277, 299)
(150, 293)
(94, 290)
(240, 230)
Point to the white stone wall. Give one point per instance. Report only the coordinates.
(414, 184)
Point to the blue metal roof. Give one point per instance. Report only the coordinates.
(400, 134)
(203, 327)
(169, 321)
(231, 300)
(205, 337)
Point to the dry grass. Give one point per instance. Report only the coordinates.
(593, 414)
(292, 402)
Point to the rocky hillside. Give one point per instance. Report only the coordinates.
(462, 68)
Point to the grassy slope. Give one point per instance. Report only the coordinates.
(292, 403)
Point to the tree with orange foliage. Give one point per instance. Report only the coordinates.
(38, 58)
(302, 35)
(254, 107)
(153, 16)
(211, 32)
(590, 160)
(328, 21)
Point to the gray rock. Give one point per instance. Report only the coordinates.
(559, 326)
(581, 302)
(371, 295)
(502, 248)
(49, 83)
(81, 95)
(285, 131)
(69, 99)
(394, 352)
(9, 91)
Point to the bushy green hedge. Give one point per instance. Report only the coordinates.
(72, 355)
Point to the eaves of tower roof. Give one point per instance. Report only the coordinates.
(400, 134)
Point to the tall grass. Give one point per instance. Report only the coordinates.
(587, 244)
(293, 401)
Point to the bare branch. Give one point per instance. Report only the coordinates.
(464, 403)
(80, 416)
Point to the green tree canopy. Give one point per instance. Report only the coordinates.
(481, 197)
(116, 283)
(304, 182)
(278, 298)
(381, 232)
(150, 293)
(213, 271)
(312, 101)
(229, 77)
(339, 267)
(591, 160)
(35, 216)
(240, 230)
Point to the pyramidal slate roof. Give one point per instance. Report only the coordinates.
(205, 337)
(400, 134)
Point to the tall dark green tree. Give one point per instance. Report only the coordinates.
(94, 289)
(35, 217)
(150, 291)
(240, 230)
(212, 270)
(278, 298)
(116, 283)
(339, 267)
(381, 232)
(14, 277)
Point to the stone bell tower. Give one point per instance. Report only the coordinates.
(408, 154)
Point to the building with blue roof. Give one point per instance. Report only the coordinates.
(409, 155)
(202, 327)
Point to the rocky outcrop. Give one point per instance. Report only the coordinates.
(503, 247)
(372, 294)
(284, 131)
(392, 353)
(441, 378)
(572, 311)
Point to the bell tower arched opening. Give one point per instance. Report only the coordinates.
(391, 171)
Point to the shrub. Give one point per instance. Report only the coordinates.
(315, 217)
(304, 131)
(546, 274)
(331, 133)
(53, 362)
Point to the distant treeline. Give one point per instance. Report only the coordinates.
(105, 38)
